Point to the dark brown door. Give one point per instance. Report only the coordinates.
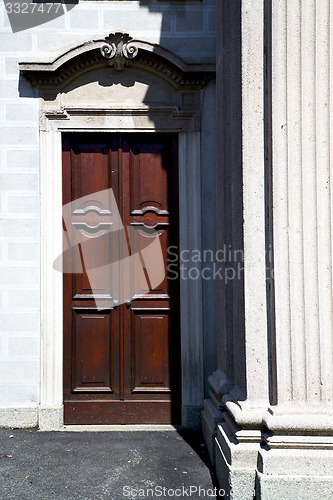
(121, 360)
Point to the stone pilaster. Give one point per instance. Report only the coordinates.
(270, 412)
(240, 386)
(302, 205)
(297, 451)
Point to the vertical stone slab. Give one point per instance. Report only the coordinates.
(302, 204)
(191, 317)
(297, 451)
(240, 385)
(50, 411)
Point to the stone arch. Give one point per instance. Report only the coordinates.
(117, 50)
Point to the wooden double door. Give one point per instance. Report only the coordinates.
(121, 312)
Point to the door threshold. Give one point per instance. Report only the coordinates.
(123, 428)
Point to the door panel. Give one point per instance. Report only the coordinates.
(148, 179)
(92, 370)
(121, 363)
(150, 352)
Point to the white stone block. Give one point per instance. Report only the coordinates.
(23, 346)
(8, 90)
(20, 228)
(11, 65)
(23, 251)
(239, 482)
(18, 417)
(23, 299)
(19, 182)
(13, 322)
(15, 43)
(51, 418)
(22, 393)
(19, 276)
(22, 204)
(18, 135)
(274, 487)
(22, 112)
(47, 43)
(83, 18)
(133, 22)
(22, 371)
(23, 160)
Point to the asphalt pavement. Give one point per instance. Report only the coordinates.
(112, 465)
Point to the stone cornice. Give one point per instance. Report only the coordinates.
(118, 51)
(281, 419)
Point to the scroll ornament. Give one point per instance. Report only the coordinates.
(119, 50)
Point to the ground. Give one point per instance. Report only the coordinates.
(98, 465)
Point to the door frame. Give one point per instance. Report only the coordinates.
(54, 122)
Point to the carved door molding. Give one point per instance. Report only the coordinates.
(85, 99)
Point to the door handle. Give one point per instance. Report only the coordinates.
(115, 303)
(128, 303)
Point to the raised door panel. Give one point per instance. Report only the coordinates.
(150, 351)
(146, 275)
(92, 351)
(148, 177)
(91, 218)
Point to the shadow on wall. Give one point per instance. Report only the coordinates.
(230, 295)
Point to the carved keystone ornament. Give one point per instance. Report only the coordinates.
(119, 50)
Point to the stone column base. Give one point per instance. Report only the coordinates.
(51, 418)
(211, 416)
(251, 464)
(297, 467)
(236, 452)
(273, 487)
